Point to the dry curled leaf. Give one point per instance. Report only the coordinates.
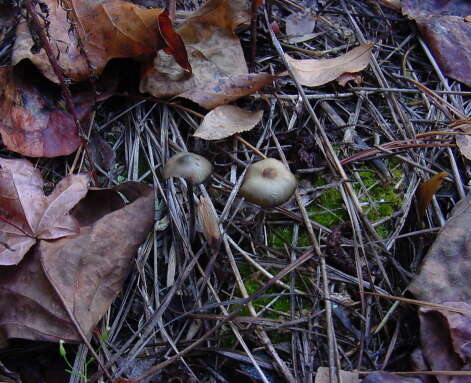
(313, 72)
(427, 190)
(27, 214)
(34, 120)
(106, 29)
(220, 73)
(84, 272)
(226, 120)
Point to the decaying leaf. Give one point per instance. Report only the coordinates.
(446, 338)
(322, 376)
(84, 272)
(27, 214)
(107, 29)
(226, 120)
(312, 72)
(427, 190)
(445, 272)
(34, 120)
(443, 26)
(220, 73)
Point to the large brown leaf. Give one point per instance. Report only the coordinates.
(226, 120)
(83, 273)
(445, 274)
(27, 214)
(34, 122)
(443, 26)
(107, 29)
(220, 72)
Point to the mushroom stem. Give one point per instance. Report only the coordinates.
(191, 205)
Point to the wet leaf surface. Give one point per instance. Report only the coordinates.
(28, 214)
(34, 120)
(313, 72)
(84, 272)
(226, 120)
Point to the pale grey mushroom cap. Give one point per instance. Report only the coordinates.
(191, 166)
(268, 183)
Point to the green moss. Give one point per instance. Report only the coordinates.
(379, 201)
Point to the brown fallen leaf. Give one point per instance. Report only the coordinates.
(313, 72)
(220, 72)
(227, 89)
(443, 27)
(34, 120)
(84, 272)
(226, 120)
(107, 29)
(445, 338)
(27, 214)
(427, 190)
(444, 274)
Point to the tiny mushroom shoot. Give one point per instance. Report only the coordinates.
(268, 183)
(195, 169)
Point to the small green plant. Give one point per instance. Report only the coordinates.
(71, 370)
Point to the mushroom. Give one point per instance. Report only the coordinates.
(268, 183)
(195, 169)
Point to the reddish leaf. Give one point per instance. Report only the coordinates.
(27, 214)
(442, 24)
(446, 337)
(34, 122)
(83, 273)
(107, 29)
(173, 41)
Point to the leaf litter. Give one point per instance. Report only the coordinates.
(175, 284)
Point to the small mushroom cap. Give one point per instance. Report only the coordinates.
(268, 183)
(191, 166)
